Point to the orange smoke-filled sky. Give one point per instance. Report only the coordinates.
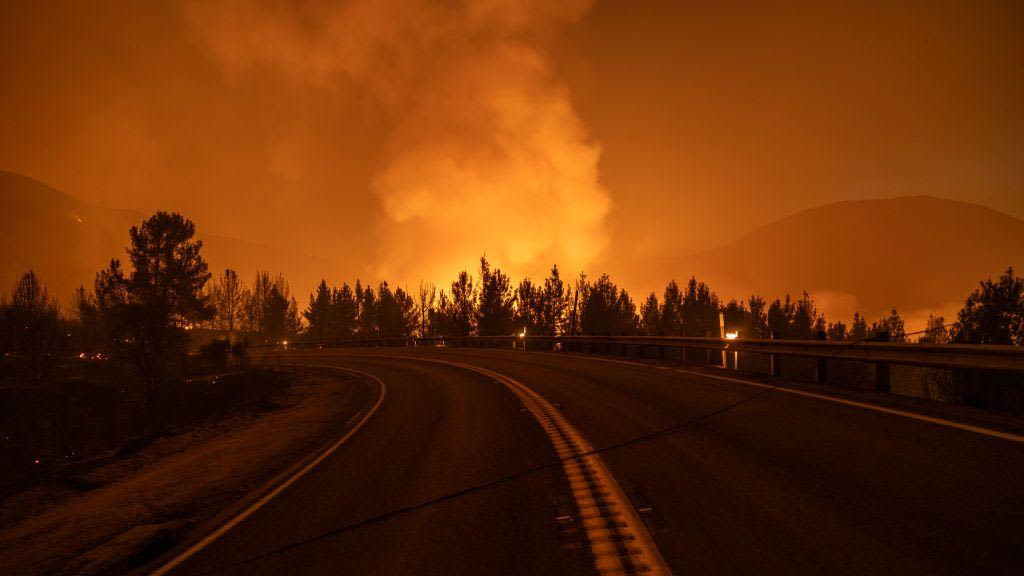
(403, 139)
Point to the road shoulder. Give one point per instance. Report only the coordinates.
(144, 505)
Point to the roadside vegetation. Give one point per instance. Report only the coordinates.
(162, 318)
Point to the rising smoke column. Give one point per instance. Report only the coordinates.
(485, 154)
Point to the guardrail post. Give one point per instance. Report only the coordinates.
(774, 360)
(882, 376)
(821, 365)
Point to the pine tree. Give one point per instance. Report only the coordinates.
(147, 310)
(318, 314)
(836, 330)
(758, 317)
(462, 308)
(529, 311)
(893, 324)
(650, 316)
(553, 304)
(859, 327)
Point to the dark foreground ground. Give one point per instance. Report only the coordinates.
(783, 483)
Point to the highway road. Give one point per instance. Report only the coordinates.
(818, 481)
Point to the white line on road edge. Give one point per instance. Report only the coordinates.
(252, 508)
(619, 541)
(864, 405)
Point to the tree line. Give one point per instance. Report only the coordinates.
(143, 312)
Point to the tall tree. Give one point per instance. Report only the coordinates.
(650, 316)
(859, 327)
(576, 300)
(344, 313)
(699, 310)
(836, 330)
(426, 295)
(494, 308)
(936, 331)
(462, 307)
(758, 317)
(529, 308)
(228, 300)
(368, 327)
(147, 310)
(318, 314)
(671, 313)
(607, 310)
(893, 324)
(37, 325)
(396, 314)
(553, 304)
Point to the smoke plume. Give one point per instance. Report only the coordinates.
(484, 151)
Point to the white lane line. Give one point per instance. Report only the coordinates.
(252, 508)
(603, 506)
(863, 405)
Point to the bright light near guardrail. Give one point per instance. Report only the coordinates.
(732, 335)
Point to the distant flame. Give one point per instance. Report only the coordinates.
(732, 335)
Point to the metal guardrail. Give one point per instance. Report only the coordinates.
(983, 358)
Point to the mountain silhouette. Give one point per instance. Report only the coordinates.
(66, 241)
(921, 254)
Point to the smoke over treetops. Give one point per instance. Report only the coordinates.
(484, 152)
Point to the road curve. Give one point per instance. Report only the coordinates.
(784, 483)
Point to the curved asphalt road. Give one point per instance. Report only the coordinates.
(781, 484)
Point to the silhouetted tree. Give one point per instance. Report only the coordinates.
(859, 328)
(441, 323)
(367, 312)
(805, 321)
(34, 323)
(319, 313)
(758, 317)
(494, 310)
(650, 316)
(836, 330)
(280, 314)
(396, 314)
(699, 310)
(607, 310)
(936, 331)
(993, 313)
(227, 299)
(529, 307)
(671, 313)
(462, 306)
(576, 298)
(426, 297)
(553, 304)
(344, 315)
(893, 324)
(146, 312)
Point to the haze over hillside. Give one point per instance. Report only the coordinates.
(66, 241)
(921, 254)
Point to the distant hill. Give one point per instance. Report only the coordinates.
(66, 241)
(921, 254)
